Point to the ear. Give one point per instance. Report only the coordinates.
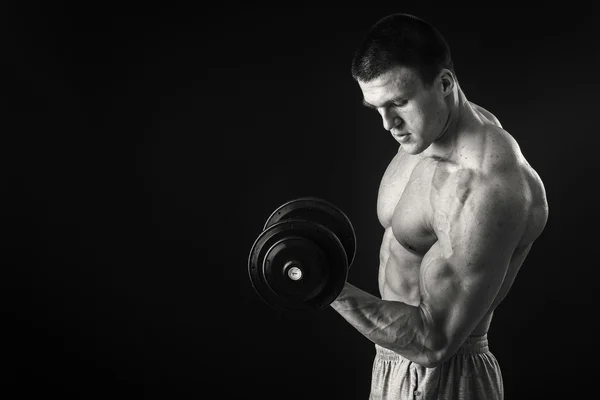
(447, 81)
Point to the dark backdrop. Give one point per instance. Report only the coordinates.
(143, 148)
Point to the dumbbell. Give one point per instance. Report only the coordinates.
(300, 260)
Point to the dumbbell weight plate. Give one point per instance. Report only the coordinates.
(297, 265)
(323, 212)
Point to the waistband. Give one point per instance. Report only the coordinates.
(473, 345)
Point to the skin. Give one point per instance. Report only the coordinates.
(460, 207)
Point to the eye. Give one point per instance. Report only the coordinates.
(400, 103)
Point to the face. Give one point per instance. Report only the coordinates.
(414, 114)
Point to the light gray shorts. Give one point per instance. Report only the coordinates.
(472, 373)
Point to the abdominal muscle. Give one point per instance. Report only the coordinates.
(399, 272)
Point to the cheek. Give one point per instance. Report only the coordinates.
(425, 118)
(416, 118)
(434, 117)
(420, 120)
(422, 111)
(440, 118)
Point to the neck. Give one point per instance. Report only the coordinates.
(443, 148)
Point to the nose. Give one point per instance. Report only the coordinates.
(390, 118)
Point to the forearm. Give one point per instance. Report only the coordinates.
(391, 324)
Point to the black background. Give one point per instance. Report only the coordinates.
(143, 148)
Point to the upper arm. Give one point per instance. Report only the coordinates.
(463, 271)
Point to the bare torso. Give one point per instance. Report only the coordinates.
(414, 193)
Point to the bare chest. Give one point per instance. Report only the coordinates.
(408, 197)
(409, 203)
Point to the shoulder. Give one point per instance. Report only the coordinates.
(501, 192)
(496, 186)
(489, 184)
(496, 171)
(476, 188)
(490, 151)
(485, 114)
(488, 146)
(478, 208)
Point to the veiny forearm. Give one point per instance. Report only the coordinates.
(391, 324)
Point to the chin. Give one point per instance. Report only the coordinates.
(412, 148)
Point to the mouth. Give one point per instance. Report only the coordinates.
(402, 138)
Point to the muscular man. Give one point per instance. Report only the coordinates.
(460, 207)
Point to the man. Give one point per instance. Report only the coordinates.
(460, 207)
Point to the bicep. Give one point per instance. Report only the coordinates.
(464, 270)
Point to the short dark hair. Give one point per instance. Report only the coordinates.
(401, 40)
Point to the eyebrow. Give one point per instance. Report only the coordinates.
(386, 104)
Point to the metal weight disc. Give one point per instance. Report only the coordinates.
(297, 265)
(296, 268)
(323, 212)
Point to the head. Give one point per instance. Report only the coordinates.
(405, 71)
